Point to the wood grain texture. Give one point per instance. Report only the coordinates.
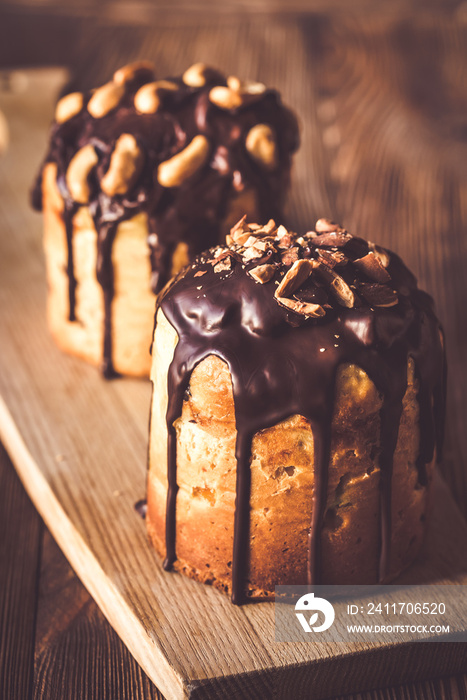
(102, 665)
(55, 642)
(324, 67)
(441, 689)
(20, 534)
(75, 647)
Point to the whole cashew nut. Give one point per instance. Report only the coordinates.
(173, 172)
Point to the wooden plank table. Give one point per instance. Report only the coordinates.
(384, 151)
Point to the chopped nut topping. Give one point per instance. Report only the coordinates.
(342, 292)
(251, 240)
(238, 226)
(311, 279)
(263, 243)
(262, 273)
(300, 307)
(242, 239)
(332, 258)
(372, 267)
(220, 253)
(270, 226)
(290, 256)
(286, 241)
(225, 263)
(337, 285)
(380, 253)
(326, 226)
(281, 232)
(294, 278)
(336, 239)
(251, 253)
(200, 273)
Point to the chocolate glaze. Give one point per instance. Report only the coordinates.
(141, 507)
(192, 212)
(284, 363)
(70, 268)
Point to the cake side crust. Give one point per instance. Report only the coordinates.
(133, 302)
(282, 482)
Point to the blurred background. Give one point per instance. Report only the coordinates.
(380, 89)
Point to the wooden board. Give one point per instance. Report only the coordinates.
(79, 445)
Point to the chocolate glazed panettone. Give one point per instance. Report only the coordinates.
(296, 414)
(142, 174)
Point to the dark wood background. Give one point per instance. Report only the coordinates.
(381, 90)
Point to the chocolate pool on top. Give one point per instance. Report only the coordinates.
(285, 312)
(190, 153)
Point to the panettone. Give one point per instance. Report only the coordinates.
(142, 174)
(297, 412)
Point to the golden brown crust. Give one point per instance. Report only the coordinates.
(133, 302)
(4, 135)
(281, 482)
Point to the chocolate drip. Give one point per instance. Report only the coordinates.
(141, 507)
(242, 514)
(322, 451)
(36, 192)
(68, 214)
(191, 212)
(174, 409)
(105, 277)
(284, 363)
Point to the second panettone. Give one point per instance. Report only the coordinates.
(142, 174)
(296, 413)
